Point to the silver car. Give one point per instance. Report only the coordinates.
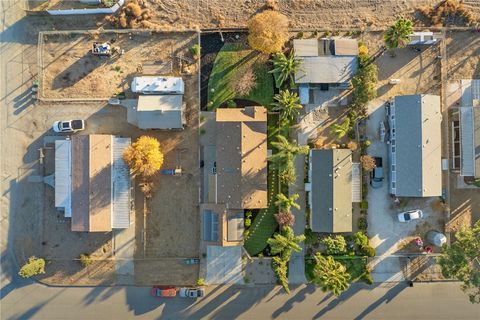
(410, 215)
(191, 292)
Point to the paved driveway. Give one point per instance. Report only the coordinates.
(224, 265)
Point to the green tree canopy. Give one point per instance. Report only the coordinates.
(397, 35)
(288, 103)
(284, 68)
(330, 275)
(285, 242)
(286, 203)
(461, 261)
(286, 152)
(340, 130)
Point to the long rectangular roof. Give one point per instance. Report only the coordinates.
(158, 84)
(63, 178)
(470, 128)
(418, 146)
(331, 190)
(160, 112)
(242, 157)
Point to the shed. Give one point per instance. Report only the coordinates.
(159, 112)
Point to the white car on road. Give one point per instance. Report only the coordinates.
(410, 215)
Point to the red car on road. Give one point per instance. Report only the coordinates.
(162, 291)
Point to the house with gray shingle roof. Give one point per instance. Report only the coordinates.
(329, 190)
(415, 148)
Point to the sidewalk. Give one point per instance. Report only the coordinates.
(123, 251)
(296, 267)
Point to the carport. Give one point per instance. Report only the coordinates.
(224, 265)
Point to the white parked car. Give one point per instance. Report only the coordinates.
(410, 215)
(69, 126)
(191, 292)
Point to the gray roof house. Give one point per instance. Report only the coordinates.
(330, 190)
(415, 146)
(469, 118)
(326, 61)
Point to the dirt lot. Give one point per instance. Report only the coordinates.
(71, 71)
(463, 54)
(302, 13)
(172, 224)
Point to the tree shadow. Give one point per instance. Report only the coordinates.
(354, 289)
(297, 298)
(389, 296)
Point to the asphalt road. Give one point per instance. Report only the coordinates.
(423, 301)
(23, 299)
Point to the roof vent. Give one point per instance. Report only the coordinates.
(329, 209)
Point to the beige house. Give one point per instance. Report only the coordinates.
(240, 180)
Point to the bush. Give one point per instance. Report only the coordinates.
(335, 245)
(85, 260)
(268, 31)
(364, 205)
(195, 50)
(352, 135)
(367, 278)
(285, 218)
(360, 239)
(246, 233)
(300, 35)
(362, 223)
(32, 267)
(231, 104)
(200, 282)
(310, 237)
(368, 162)
(248, 222)
(368, 251)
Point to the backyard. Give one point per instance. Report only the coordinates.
(237, 66)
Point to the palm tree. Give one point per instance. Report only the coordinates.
(285, 243)
(288, 103)
(284, 68)
(330, 275)
(286, 151)
(340, 130)
(397, 35)
(287, 203)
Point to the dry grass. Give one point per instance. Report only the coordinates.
(448, 12)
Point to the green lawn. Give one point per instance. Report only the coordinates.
(231, 62)
(264, 224)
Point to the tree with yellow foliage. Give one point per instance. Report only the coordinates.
(268, 31)
(144, 156)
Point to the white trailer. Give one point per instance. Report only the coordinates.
(158, 85)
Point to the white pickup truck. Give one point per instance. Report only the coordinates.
(68, 126)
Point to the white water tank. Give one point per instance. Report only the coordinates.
(436, 238)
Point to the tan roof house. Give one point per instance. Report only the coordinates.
(242, 157)
(240, 181)
(92, 183)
